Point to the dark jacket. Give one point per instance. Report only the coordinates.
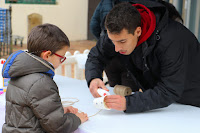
(166, 66)
(97, 21)
(33, 104)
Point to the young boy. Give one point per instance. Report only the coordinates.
(33, 104)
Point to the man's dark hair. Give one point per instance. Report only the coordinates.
(46, 37)
(123, 16)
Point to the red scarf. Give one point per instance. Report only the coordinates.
(148, 22)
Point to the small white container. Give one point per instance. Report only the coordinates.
(100, 104)
(102, 92)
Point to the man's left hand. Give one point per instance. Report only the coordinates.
(116, 102)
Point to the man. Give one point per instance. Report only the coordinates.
(115, 71)
(160, 55)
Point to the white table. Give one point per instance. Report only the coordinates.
(176, 118)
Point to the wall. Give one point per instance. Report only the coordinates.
(69, 15)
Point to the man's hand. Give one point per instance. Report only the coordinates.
(95, 84)
(116, 102)
(70, 109)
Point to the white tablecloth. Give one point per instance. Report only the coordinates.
(176, 118)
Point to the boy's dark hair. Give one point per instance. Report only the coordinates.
(123, 16)
(46, 37)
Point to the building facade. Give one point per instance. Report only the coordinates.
(69, 15)
(73, 16)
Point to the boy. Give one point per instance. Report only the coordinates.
(33, 103)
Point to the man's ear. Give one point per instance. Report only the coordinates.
(138, 31)
(45, 55)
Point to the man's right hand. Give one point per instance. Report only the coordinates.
(96, 84)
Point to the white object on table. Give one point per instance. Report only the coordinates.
(103, 92)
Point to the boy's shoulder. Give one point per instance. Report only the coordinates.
(34, 81)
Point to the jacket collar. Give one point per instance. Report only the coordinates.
(21, 63)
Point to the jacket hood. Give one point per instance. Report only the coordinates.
(161, 14)
(159, 10)
(21, 63)
(148, 22)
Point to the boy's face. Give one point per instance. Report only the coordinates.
(56, 59)
(125, 42)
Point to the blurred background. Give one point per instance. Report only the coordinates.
(18, 17)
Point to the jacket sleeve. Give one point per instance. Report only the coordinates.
(173, 63)
(46, 104)
(95, 22)
(98, 57)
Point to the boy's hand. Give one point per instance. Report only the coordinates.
(96, 84)
(83, 117)
(116, 102)
(70, 109)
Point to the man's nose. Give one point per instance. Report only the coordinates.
(117, 48)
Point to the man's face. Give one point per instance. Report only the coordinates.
(125, 42)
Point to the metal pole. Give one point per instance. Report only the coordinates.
(10, 28)
(187, 14)
(4, 30)
(197, 22)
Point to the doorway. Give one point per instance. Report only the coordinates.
(92, 4)
(34, 20)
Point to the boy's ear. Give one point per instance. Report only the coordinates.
(45, 55)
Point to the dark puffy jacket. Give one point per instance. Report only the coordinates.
(33, 104)
(166, 66)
